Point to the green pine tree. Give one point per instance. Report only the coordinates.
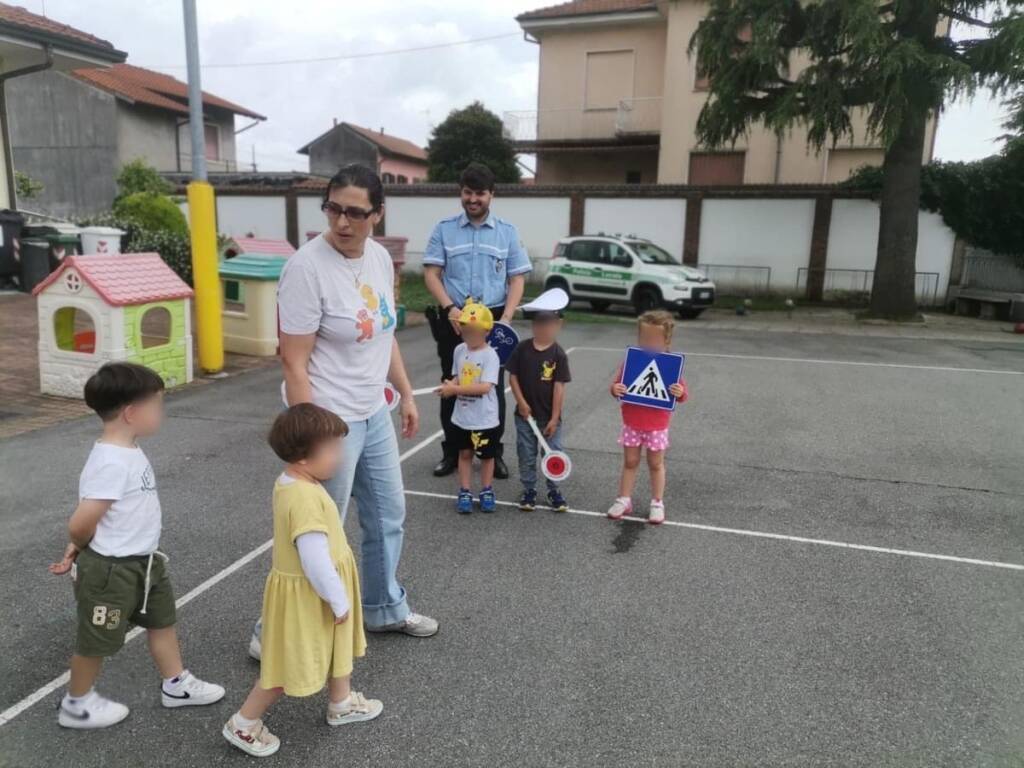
(469, 135)
(892, 58)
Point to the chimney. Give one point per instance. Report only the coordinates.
(335, 121)
(382, 130)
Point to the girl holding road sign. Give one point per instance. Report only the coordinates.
(646, 425)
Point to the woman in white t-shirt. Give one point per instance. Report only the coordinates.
(336, 304)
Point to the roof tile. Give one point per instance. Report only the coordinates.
(15, 14)
(154, 88)
(587, 7)
(124, 279)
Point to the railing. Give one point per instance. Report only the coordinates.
(632, 117)
(737, 280)
(854, 285)
(984, 270)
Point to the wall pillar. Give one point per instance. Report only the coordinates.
(577, 209)
(291, 218)
(691, 229)
(818, 258)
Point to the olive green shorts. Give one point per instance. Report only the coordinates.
(110, 592)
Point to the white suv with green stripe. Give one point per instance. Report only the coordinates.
(606, 270)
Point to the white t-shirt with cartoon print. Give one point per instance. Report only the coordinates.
(124, 476)
(349, 305)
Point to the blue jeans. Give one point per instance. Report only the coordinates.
(527, 448)
(371, 473)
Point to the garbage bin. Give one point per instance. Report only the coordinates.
(101, 240)
(62, 245)
(35, 263)
(396, 247)
(10, 230)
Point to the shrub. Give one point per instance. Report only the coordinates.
(154, 212)
(981, 201)
(137, 176)
(175, 248)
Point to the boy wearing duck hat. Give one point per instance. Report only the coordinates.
(475, 419)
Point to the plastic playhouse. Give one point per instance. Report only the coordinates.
(256, 246)
(250, 303)
(103, 308)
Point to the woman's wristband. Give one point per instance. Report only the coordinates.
(447, 310)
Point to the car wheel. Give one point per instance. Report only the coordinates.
(557, 282)
(646, 298)
(690, 313)
(600, 305)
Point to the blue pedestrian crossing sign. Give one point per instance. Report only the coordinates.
(648, 375)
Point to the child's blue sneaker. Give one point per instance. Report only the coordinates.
(528, 501)
(487, 500)
(465, 503)
(557, 500)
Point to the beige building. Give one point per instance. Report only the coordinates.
(618, 99)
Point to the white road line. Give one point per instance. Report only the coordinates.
(13, 711)
(823, 362)
(776, 536)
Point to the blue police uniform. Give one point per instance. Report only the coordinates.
(477, 261)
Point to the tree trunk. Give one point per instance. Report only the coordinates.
(892, 294)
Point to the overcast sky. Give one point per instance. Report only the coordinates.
(406, 94)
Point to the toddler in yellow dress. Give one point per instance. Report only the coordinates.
(312, 616)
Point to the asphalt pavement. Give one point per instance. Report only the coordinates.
(842, 581)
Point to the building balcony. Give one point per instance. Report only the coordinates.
(632, 121)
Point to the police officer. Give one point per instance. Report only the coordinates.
(474, 255)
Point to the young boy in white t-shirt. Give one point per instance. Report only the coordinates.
(120, 576)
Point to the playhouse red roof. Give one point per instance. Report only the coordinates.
(124, 279)
(264, 245)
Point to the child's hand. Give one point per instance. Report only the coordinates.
(59, 569)
(618, 389)
(341, 619)
(447, 388)
(550, 428)
(679, 391)
(524, 410)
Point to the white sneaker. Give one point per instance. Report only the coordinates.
(255, 647)
(620, 508)
(255, 740)
(656, 513)
(355, 709)
(90, 712)
(190, 691)
(415, 624)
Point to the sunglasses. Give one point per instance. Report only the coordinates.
(333, 211)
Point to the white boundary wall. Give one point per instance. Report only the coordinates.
(660, 220)
(735, 231)
(541, 222)
(853, 240)
(758, 233)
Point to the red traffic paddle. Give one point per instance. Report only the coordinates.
(391, 396)
(556, 465)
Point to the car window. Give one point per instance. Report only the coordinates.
(585, 250)
(649, 253)
(619, 256)
(560, 250)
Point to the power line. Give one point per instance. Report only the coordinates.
(348, 57)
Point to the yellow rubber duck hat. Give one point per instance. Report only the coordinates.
(477, 315)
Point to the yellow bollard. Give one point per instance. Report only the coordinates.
(203, 225)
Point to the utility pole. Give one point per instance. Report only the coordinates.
(202, 213)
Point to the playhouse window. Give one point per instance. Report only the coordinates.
(234, 296)
(74, 330)
(155, 327)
